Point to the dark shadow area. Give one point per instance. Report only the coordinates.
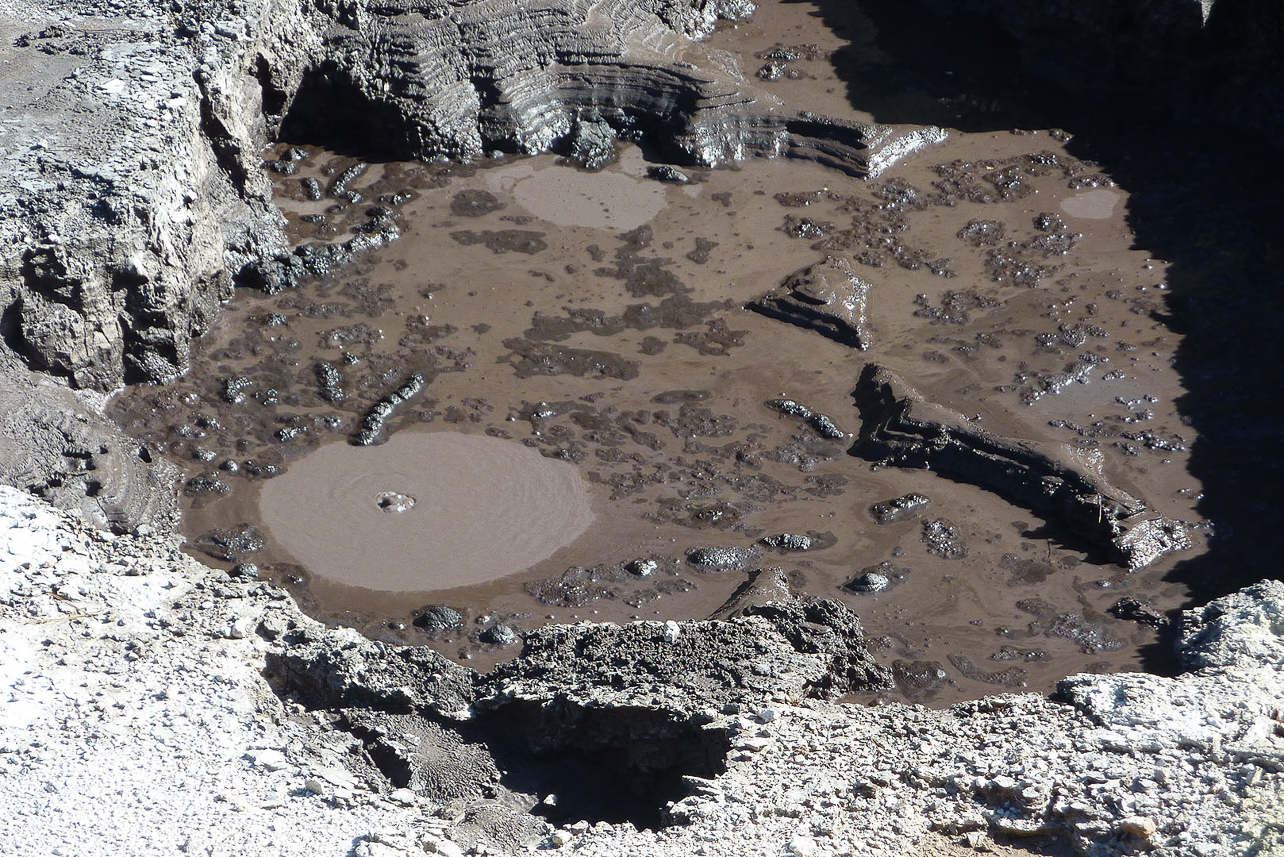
(1205, 197)
(11, 327)
(613, 765)
(330, 111)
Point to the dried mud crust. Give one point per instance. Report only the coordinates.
(631, 356)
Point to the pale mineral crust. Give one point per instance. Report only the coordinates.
(153, 706)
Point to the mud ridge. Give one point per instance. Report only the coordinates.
(901, 428)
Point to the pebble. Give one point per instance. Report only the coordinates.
(801, 846)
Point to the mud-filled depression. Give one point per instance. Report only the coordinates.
(578, 396)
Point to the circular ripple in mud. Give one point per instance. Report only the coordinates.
(571, 197)
(482, 509)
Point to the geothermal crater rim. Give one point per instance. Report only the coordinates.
(483, 508)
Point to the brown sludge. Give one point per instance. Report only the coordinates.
(1002, 284)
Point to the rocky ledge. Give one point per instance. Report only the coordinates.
(153, 705)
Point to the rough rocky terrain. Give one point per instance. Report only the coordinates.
(152, 705)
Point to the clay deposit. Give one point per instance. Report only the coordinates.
(618, 201)
(424, 511)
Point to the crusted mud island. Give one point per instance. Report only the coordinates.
(655, 428)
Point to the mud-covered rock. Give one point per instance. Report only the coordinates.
(826, 297)
(899, 427)
(1132, 610)
(438, 617)
(899, 508)
(738, 558)
(820, 423)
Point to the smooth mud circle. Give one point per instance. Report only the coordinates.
(1091, 205)
(464, 510)
(570, 197)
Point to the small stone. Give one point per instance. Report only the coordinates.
(671, 631)
(666, 173)
(870, 581)
(788, 541)
(560, 837)
(272, 627)
(642, 567)
(499, 635)
(1139, 826)
(438, 617)
(239, 629)
(245, 571)
(801, 846)
(404, 797)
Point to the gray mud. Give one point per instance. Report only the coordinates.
(606, 321)
(424, 511)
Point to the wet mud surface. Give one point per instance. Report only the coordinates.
(604, 321)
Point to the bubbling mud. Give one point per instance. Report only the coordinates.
(468, 509)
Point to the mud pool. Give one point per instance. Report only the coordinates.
(423, 510)
(601, 320)
(629, 357)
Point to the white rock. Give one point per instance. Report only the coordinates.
(240, 628)
(671, 631)
(801, 846)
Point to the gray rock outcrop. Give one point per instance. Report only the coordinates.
(133, 683)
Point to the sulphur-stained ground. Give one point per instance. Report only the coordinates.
(136, 719)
